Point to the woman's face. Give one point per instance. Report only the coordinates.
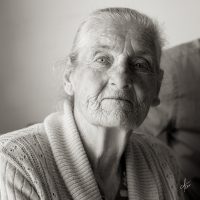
(115, 80)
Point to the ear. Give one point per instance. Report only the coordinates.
(156, 100)
(67, 78)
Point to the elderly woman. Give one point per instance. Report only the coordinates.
(90, 150)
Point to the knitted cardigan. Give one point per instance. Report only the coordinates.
(47, 161)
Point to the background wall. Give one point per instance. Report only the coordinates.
(34, 35)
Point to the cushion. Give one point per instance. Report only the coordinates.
(180, 91)
(177, 119)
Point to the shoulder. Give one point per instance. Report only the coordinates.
(158, 153)
(20, 136)
(24, 148)
(25, 137)
(152, 143)
(160, 157)
(26, 155)
(151, 154)
(163, 154)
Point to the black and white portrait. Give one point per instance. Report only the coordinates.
(99, 100)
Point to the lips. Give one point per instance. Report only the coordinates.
(118, 99)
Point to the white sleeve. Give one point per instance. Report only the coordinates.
(13, 184)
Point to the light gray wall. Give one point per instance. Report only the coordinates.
(35, 34)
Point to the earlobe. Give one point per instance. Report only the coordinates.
(67, 79)
(156, 100)
(68, 88)
(160, 75)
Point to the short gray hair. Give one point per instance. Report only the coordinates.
(121, 14)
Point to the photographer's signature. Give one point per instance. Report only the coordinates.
(186, 185)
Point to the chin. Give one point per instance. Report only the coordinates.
(115, 118)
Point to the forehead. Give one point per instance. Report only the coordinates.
(115, 36)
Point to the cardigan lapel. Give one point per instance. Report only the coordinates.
(140, 179)
(70, 156)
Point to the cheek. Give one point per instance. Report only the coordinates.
(145, 88)
(88, 84)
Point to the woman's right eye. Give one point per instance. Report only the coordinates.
(104, 61)
(101, 60)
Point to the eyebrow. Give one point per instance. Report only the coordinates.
(142, 52)
(100, 48)
(146, 54)
(107, 47)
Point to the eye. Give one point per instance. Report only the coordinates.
(142, 65)
(103, 61)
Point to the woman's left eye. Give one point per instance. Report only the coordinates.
(142, 66)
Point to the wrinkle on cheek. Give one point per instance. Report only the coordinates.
(93, 103)
(145, 86)
(98, 84)
(138, 92)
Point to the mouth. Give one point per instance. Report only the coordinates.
(118, 99)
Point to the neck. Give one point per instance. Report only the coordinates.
(104, 146)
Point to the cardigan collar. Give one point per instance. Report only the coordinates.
(143, 177)
(70, 155)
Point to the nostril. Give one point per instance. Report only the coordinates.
(126, 86)
(120, 85)
(120, 81)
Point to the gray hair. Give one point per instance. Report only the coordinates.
(150, 27)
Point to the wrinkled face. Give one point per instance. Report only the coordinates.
(115, 80)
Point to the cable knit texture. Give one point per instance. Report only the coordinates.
(47, 161)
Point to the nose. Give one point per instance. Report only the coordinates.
(120, 78)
